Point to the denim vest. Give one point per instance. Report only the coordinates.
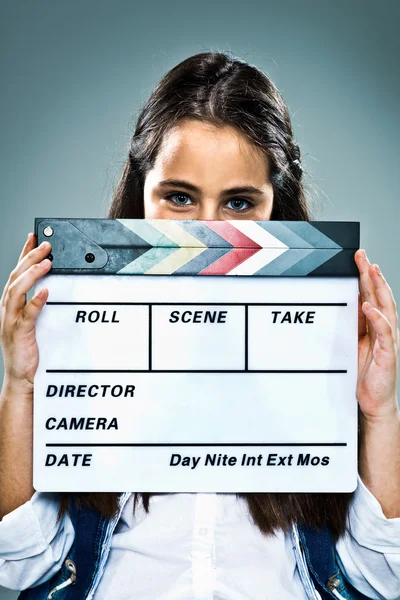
(82, 569)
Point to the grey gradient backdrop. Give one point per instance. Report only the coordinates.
(74, 74)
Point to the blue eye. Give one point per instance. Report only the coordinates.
(180, 199)
(235, 204)
(239, 204)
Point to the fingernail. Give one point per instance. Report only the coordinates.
(377, 269)
(44, 244)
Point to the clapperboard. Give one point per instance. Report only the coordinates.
(197, 356)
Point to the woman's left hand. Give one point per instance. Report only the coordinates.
(378, 343)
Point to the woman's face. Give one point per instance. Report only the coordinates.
(208, 172)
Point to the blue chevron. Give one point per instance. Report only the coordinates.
(314, 237)
(201, 231)
(285, 235)
(147, 260)
(283, 262)
(309, 263)
(205, 259)
(149, 233)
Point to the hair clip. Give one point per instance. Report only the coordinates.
(298, 164)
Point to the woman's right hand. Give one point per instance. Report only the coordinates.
(18, 317)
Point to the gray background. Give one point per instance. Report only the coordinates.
(75, 73)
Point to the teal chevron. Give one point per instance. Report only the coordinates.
(315, 238)
(312, 261)
(148, 232)
(148, 260)
(284, 262)
(284, 234)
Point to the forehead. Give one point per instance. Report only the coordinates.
(197, 148)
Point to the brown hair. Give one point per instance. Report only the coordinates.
(213, 87)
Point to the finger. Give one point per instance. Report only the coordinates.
(362, 320)
(384, 295)
(382, 328)
(16, 295)
(29, 314)
(34, 256)
(28, 246)
(367, 288)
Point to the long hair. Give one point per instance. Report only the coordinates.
(215, 88)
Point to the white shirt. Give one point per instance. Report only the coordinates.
(198, 547)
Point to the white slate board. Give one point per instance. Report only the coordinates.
(260, 401)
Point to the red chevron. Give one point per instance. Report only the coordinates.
(229, 261)
(231, 234)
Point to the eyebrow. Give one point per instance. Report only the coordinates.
(248, 189)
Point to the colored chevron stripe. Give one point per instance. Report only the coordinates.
(176, 233)
(260, 236)
(228, 262)
(205, 259)
(232, 234)
(258, 261)
(145, 230)
(314, 237)
(204, 234)
(174, 261)
(284, 234)
(309, 263)
(146, 261)
(237, 233)
(284, 262)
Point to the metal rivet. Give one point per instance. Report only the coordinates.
(48, 231)
(90, 257)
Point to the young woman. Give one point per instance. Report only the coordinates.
(214, 141)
